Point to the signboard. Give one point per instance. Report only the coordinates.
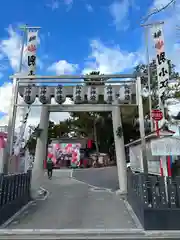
(165, 147)
(161, 61)
(157, 114)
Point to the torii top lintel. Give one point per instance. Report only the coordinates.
(104, 77)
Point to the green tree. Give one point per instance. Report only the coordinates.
(85, 123)
(54, 131)
(62, 129)
(98, 126)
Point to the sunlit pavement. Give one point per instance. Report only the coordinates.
(74, 205)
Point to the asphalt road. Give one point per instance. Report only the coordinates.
(75, 205)
(100, 177)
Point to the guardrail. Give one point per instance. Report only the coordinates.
(14, 194)
(155, 200)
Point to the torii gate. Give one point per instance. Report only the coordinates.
(116, 93)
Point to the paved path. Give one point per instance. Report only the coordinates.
(100, 177)
(74, 205)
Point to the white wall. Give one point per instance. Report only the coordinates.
(136, 159)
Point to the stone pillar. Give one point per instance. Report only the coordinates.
(120, 150)
(40, 154)
(2, 151)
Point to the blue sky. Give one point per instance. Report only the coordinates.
(78, 36)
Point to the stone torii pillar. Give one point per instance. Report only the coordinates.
(40, 154)
(120, 151)
(2, 149)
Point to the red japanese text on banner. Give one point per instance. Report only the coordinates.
(161, 60)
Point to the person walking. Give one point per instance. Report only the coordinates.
(50, 166)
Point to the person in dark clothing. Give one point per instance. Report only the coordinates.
(50, 166)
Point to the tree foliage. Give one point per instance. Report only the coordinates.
(85, 123)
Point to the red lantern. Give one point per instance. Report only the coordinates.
(89, 143)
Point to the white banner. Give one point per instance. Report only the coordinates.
(161, 60)
(31, 64)
(31, 51)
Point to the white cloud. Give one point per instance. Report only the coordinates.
(119, 13)
(68, 2)
(160, 3)
(89, 7)
(10, 49)
(55, 4)
(5, 96)
(110, 59)
(63, 67)
(34, 116)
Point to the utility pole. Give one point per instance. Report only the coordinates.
(147, 27)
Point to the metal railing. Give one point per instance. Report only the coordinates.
(155, 200)
(14, 193)
(151, 191)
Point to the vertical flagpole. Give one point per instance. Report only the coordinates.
(24, 29)
(144, 160)
(147, 26)
(149, 77)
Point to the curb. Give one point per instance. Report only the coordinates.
(17, 214)
(44, 192)
(92, 186)
(133, 215)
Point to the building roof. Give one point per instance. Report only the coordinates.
(152, 135)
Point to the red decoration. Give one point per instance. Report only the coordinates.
(159, 44)
(157, 115)
(89, 143)
(31, 48)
